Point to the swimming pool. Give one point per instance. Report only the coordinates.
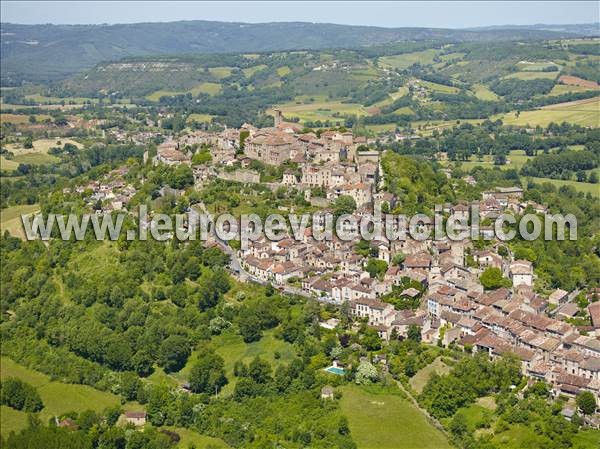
(335, 370)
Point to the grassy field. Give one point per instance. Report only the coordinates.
(435, 87)
(202, 88)
(392, 97)
(20, 119)
(587, 439)
(386, 127)
(199, 118)
(560, 89)
(37, 155)
(249, 71)
(365, 73)
(584, 113)
(46, 107)
(220, 72)
(232, 348)
(532, 75)
(517, 159)
(406, 60)
(585, 187)
(206, 88)
(8, 164)
(385, 420)
(519, 436)
(418, 381)
(526, 66)
(59, 100)
(189, 437)
(321, 110)
(450, 56)
(484, 93)
(10, 218)
(11, 420)
(58, 397)
(282, 71)
(426, 127)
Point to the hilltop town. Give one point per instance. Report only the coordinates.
(299, 248)
(440, 278)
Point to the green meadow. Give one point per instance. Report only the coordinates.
(232, 348)
(418, 381)
(405, 60)
(380, 418)
(10, 218)
(58, 397)
(321, 110)
(583, 112)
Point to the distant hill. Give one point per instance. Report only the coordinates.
(583, 29)
(45, 52)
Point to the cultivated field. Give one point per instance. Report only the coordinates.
(21, 119)
(584, 112)
(202, 88)
(382, 419)
(321, 110)
(576, 81)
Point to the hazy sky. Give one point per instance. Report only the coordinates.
(387, 14)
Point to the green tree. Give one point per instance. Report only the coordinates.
(259, 370)
(208, 373)
(28, 143)
(20, 395)
(370, 340)
(414, 333)
(201, 157)
(458, 425)
(492, 278)
(250, 328)
(173, 353)
(586, 402)
(344, 204)
(376, 267)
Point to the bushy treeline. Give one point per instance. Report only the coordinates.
(514, 89)
(88, 430)
(471, 378)
(20, 395)
(562, 164)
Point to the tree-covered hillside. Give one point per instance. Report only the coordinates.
(42, 52)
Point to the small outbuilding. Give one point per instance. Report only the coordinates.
(327, 392)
